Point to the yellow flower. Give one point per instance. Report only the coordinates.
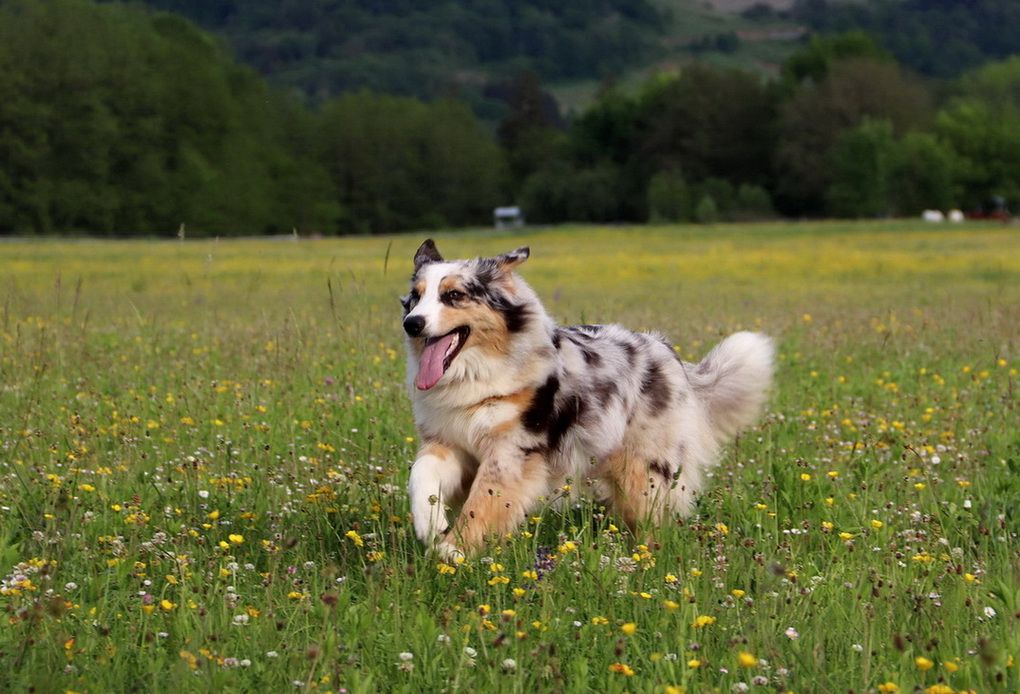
(670, 605)
(567, 547)
(694, 663)
(747, 659)
(722, 528)
(295, 595)
(737, 593)
(923, 664)
(355, 538)
(888, 688)
(599, 621)
(236, 539)
(876, 524)
(703, 621)
(805, 477)
(671, 689)
(629, 628)
(148, 609)
(939, 689)
(445, 569)
(950, 666)
(670, 578)
(846, 536)
(166, 605)
(519, 592)
(622, 669)
(213, 515)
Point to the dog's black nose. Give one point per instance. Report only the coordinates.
(413, 325)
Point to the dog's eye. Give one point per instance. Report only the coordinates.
(454, 295)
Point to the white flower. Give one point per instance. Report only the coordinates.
(203, 494)
(857, 647)
(443, 638)
(245, 662)
(240, 619)
(272, 654)
(989, 612)
(70, 585)
(791, 633)
(509, 665)
(470, 652)
(405, 656)
(935, 460)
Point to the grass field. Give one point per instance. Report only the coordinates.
(205, 446)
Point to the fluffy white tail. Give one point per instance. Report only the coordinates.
(733, 381)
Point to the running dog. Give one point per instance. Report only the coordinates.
(510, 407)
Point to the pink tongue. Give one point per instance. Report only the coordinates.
(430, 367)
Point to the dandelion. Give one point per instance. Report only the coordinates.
(354, 537)
(923, 664)
(888, 688)
(703, 621)
(747, 660)
(599, 621)
(876, 524)
(166, 605)
(805, 477)
(694, 663)
(445, 569)
(629, 628)
(235, 539)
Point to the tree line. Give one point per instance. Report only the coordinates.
(119, 121)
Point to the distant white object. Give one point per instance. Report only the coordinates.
(955, 216)
(506, 217)
(933, 216)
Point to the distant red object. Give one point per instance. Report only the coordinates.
(994, 208)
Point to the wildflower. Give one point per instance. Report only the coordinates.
(355, 538)
(670, 578)
(694, 663)
(950, 666)
(622, 669)
(235, 539)
(599, 621)
(703, 621)
(737, 593)
(671, 689)
(939, 688)
(923, 664)
(791, 633)
(805, 477)
(989, 612)
(567, 547)
(876, 524)
(629, 628)
(747, 660)
(167, 605)
(846, 536)
(519, 592)
(508, 665)
(722, 528)
(295, 595)
(888, 688)
(670, 605)
(445, 569)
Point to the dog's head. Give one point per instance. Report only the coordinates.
(462, 309)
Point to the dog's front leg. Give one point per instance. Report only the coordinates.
(508, 483)
(438, 479)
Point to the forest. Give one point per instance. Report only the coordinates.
(126, 120)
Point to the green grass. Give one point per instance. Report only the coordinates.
(205, 446)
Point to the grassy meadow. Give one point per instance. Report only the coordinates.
(204, 447)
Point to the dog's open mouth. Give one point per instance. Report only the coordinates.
(437, 356)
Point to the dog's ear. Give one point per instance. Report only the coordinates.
(508, 261)
(426, 253)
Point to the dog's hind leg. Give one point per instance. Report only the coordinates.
(639, 488)
(439, 478)
(504, 490)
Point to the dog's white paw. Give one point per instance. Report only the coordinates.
(449, 553)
